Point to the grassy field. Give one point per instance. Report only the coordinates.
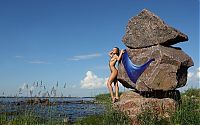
(187, 114)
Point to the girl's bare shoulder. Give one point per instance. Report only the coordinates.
(115, 56)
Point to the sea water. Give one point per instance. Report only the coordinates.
(70, 108)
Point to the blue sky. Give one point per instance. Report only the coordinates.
(68, 40)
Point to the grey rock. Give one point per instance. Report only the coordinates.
(167, 72)
(146, 29)
(133, 104)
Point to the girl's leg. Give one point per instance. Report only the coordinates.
(116, 89)
(109, 84)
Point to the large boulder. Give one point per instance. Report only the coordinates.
(146, 29)
(133, 104)
(147, 37)
(167, 72)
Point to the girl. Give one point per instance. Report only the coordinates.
(115, 56)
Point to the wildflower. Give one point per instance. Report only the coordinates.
(41, 83)
(57, 84)
(65, 85)
(31, 92)
(20, 90)
(34, 84)
(39, 93)
(37, 84)
(44, 87)
(26, 86)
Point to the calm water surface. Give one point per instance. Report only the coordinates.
(71, 108)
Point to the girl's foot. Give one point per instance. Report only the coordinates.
(115, 99)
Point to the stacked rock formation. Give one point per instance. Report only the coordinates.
(147, 36)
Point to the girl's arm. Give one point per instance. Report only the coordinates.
(110, 53)
(120, 55)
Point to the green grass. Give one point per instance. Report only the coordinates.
(187, 114)
(110, 117)
(105, 98)
(191, 92)
(29, 118)
(189, 111)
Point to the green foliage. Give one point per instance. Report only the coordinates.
(192, 92)
(105, 98)
(187, 114)
(29, 118)
(25, 119)
(110, 117)
(3, 119)
(21, 119)
(189, 111)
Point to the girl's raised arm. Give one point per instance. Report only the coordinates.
(120, 55)
(110, 53)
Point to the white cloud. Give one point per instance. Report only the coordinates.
(192, 80)
(92, 81)
(88, 56)
(194, 76)
(32, 61)
(190, 74)
(37, 62)
(198, 73)
(19, 57)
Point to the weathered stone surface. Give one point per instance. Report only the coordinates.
(167, 72)
(133, 104)
(146, 29)
(147, 36)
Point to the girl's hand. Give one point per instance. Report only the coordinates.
(122, 51)
(110, 53)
